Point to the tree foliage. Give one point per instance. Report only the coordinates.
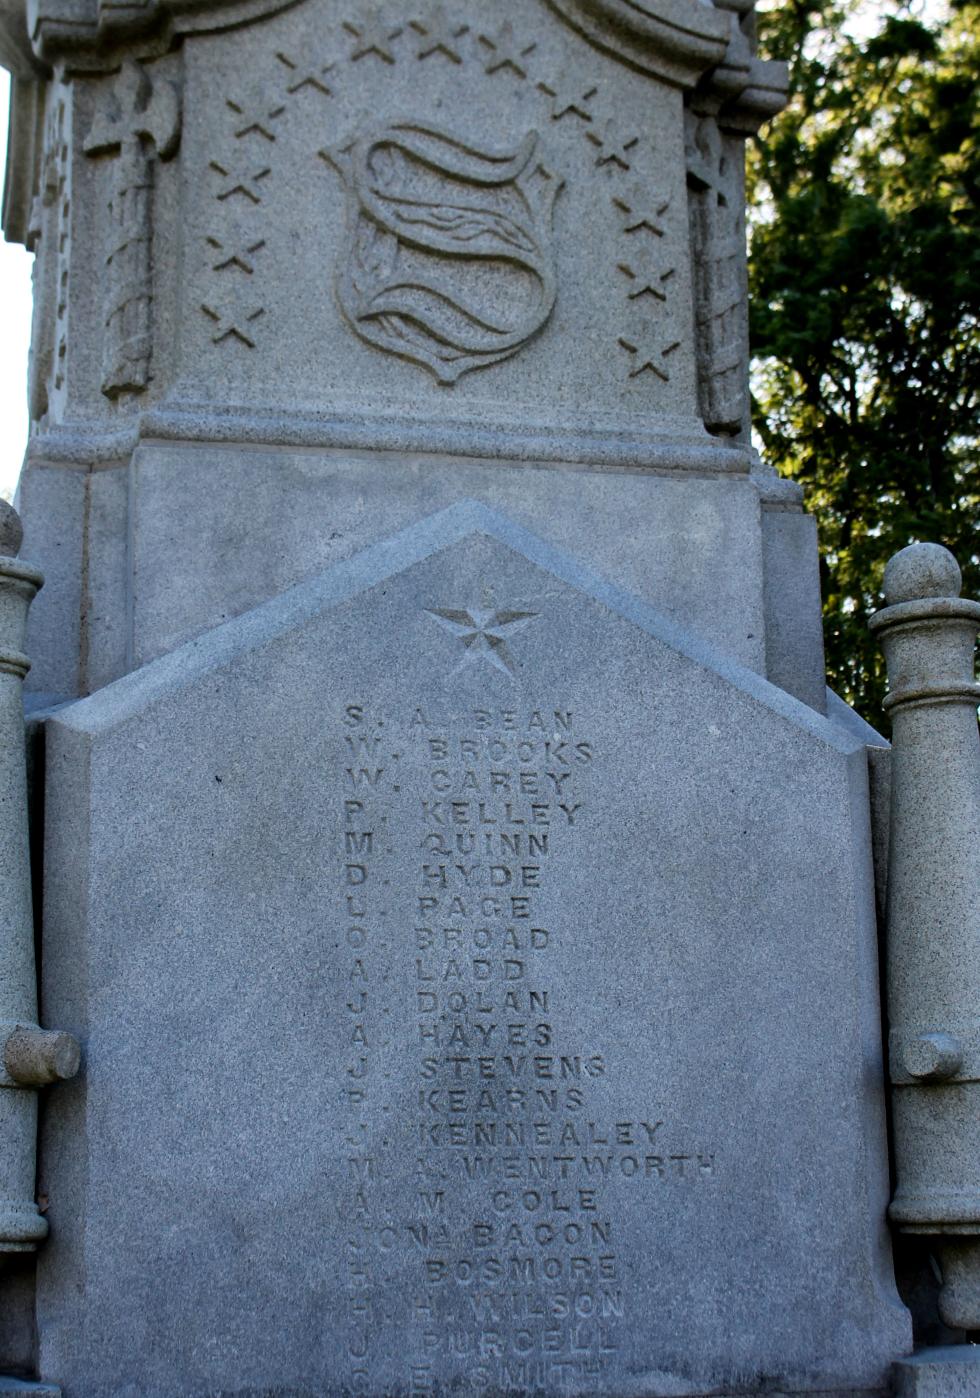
(865, 279)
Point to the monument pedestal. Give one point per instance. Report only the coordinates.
(951, 1371)
(490, 939)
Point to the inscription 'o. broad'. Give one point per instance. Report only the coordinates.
(448, 258)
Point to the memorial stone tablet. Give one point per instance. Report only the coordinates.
(495, 1018)
(461, 896)
(328, 267)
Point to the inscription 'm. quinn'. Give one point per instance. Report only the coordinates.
(496, 804)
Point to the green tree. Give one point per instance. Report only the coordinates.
(865, 279)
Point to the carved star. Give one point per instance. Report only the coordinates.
(255, 119)
(439, 35)
(648, 277)
(615, 145)
(240, 178)
(483, 632)
(569, 97)
(505, 52)
(648, 352)
(304, 74)
(373, 35)
(643, 209)
(232, 317)
(241, 257)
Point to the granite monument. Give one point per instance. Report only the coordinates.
(449, 866)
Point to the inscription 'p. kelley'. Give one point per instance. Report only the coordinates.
(496, 1155)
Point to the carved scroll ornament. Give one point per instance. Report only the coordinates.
(86, 35)
(448, 258)
(688, 43)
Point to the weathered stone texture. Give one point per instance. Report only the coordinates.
(501, 985)
(464, 902)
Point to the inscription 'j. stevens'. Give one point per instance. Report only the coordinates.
(448, 258)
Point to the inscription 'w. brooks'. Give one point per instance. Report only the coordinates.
(448, 259)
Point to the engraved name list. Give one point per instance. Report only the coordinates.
(486, 1149)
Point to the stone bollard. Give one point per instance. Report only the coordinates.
(933, 915)
(29, 1057)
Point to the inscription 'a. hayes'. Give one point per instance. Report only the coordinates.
(487, 1150)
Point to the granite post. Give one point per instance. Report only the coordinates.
(933, 917)
(29, 1056)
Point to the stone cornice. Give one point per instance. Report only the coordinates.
(678, 40)
(665, 445)
(689, 44)
(15, 48)
(88, 35)
(684, 42)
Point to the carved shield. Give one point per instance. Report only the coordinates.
(448, 259)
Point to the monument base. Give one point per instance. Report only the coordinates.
(947, 1371)
(47, 1390)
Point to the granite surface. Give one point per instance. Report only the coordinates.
(498, 1015)
(318, 274)
(131, 574)
(948, 1371)
(540, 281)
(475, 967)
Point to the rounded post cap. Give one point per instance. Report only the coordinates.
(921, 570)
(11, 530)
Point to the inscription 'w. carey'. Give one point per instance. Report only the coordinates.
(448, 258)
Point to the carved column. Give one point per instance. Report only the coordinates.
(138, 121)
(29, 1057)
(714, 164)
(48, 237)
(933, 915)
